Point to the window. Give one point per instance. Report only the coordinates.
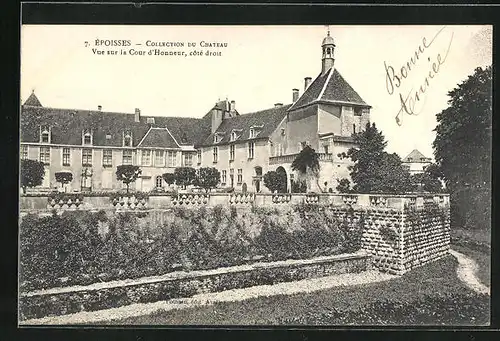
(150, 120)
(24, 152)
(108, 136)
(87, 139)
(217, 138)
(354, 128)
(172, 159)
(127, 140)
(325, 148)
(251, 147)
(282, 131)
(87, 157)
(159, 158)
(280, 149)
(107, 158)
(357, 111)
(223, 177)
(216, 154)
(188, 159)
(233, 136)
(231, 152)
(45, 155)
(231, 176)
(273, 151)
(159, 181)
(410, 159)
(240, 176)
(45, 136)
(199, 156)
(252, 133)
(127, 157)
(66, 157)
(146, 158)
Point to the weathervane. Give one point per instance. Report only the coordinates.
(328, 30)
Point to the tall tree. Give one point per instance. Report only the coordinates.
(127, 174)
(169, 178)
(307, 165)
(375, 170)
(462, 148)
(428, 181)
(32, 173)
(184, 176)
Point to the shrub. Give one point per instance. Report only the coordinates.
(88, 247)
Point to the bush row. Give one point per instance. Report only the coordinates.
(85, 247)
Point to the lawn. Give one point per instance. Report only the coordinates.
(429, 295)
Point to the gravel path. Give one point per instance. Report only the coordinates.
(466, 272)
(289, 288)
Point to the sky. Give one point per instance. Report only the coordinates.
(259, 67)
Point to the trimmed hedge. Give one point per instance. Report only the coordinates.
(83, 247)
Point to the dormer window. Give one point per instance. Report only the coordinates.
(108, 136)
(255, 130)
(282, 131)
(127, 139)
(234, 136)
(150, 120)
(45, 134)
(218, 137)
(87, 137)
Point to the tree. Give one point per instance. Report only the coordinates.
(428, 181)
(184, 176)
(462, 149)
(207, 178)
(274, 181)
(375, 170)
(64, 178)
(169, 178)
(344, 186)
(127, 174)
(307, 165)
(32, 173)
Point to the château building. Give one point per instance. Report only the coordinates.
(416, 162)
(243, 147)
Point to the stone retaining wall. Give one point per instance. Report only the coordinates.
(60, 301)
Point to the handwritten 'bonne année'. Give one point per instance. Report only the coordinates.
(395, 79)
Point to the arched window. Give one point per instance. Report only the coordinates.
(159, 181)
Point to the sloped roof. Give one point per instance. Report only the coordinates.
(158, 137)
(415, 156)
(269, 119)
(33, 101)
(330, 87)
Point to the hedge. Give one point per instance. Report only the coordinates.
(81, 247)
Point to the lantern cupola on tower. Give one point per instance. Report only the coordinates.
(328, 48)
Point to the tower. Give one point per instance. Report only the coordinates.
(328, 47)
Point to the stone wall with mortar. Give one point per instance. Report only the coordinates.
(401, 232)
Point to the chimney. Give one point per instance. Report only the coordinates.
(232, 107)
(295, 95)
(278, 105)
(137, 117)
(307, 82)
(99, 107)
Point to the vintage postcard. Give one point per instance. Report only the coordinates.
(300, 175)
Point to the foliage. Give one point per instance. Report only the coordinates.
(64, 177)
(428, 181)
(274, 181)
(84, 247)
(462, 149)
(344, 186)
(299, 186)
(127, 174)
(207, 178)
(374, 170)
(169, 178)
(32, 173)
(184, 176)
(307, 164)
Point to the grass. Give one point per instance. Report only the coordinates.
(429, 295)
(475, 244)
